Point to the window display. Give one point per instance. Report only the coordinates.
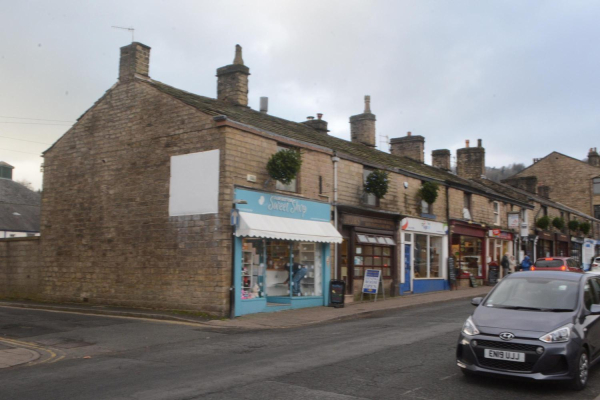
(373, 252)
(428, 253)
(468, 252)
(291, 269)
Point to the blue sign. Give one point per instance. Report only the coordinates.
(280, 205)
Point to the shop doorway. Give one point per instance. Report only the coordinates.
(405, 287)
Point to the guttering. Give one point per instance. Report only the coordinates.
(335, 159)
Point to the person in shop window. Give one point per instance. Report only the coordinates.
(297, 273)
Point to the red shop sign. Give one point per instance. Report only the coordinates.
(497, 233)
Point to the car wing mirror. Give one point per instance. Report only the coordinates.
(476, 301)
(595, 310)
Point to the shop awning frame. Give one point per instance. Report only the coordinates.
(270, 227)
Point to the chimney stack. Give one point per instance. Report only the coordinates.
(264, 105)
(362, 126)
(6, 170)
(135, 60)
(441, 159)
(470, 161)
(594, 158)
(527, 183)
(319, 124)
(232, 81)
(409, 146)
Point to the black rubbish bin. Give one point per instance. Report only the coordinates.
(493, 274)
(337, 292)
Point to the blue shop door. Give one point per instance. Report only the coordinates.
(405, 287)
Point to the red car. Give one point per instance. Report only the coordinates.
(557, 264)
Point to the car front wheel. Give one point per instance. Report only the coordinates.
(582, 371)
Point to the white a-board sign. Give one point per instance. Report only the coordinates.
(371, 282)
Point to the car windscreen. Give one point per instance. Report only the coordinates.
(548, 294)
(549, 263)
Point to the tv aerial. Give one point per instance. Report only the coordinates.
(125, 29)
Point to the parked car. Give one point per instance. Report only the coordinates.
(542, 325)
(595, 265)
(557, 264)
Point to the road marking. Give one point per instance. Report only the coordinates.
(447, 377)
(47, 356)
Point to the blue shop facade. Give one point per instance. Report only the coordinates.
(281, 252)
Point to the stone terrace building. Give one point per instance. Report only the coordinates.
(138, 197)
(564, 179)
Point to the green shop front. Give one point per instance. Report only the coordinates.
(281, 252)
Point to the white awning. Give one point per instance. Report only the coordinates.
(266, 226)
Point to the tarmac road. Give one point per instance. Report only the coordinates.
(394, 354)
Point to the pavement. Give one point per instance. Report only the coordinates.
(14, 353)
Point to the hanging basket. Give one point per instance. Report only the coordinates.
(284, 165)
(377, 183)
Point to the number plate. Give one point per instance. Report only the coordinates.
(504, 355)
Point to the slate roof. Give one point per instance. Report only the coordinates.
(19, 207)
(522, 174)
(301, 132)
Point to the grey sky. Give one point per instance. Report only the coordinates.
(521, 75)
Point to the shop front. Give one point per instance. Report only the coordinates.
(577, 249)
(424, 247)
(544, 247)
(369, 242)
(468, 247)
(561, 242)
(591, 249)
(281, 252)
(500, 243)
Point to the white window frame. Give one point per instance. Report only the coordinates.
(413, 247)
(496, 213)
(596, 185)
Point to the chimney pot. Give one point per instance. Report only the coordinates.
(319, 115)
(264, 105)
(467, 144)
(367, 104)
(408, 133)
(478, 142)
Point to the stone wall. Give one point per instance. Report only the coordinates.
(19, 268)
(106, 232)
(570, 180)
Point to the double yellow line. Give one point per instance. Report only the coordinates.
(47, 355)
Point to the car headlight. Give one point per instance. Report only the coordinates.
(469, 327)
(557, 336)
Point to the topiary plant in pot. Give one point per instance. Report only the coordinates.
(284, 165)
(377, 183)
(573, 225)
(543, 223)
(585, 227)
(428, 192)
(558, 223)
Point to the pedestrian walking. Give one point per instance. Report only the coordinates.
(526, 263)
(505, 263)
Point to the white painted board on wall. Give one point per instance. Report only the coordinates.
(194, 185)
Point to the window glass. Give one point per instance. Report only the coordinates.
(407, 237)
(372, 239)
(435, 265)
(386, 251)
(362, 238)
(425, 207)
(306, 272)
(420, 262)
(377, 251)
(470, 255)
(368, 250)
(596, 185)
(390, 241)
(536, 292)
(381, 240)
(588, 295)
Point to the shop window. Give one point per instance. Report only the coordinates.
(597, 212)
(427, 256)
(373, 252)
(596, 182)
(468, 253)
(496, 213)
(290, 187)
(368, 198)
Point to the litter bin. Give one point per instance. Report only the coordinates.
(494, 271)
(337, 292)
